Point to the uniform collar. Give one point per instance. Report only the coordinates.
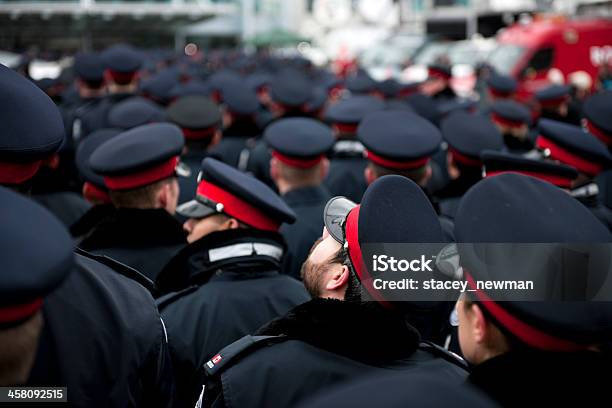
(363, 332)
(244, 251)
(130, 227)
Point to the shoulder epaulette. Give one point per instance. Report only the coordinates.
(122, 269)
(231, 353)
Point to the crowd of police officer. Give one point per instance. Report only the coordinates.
(190, 230)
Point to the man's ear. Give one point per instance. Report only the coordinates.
(427, 175)
(230, 224)
(215, 139)
(274, 170)
(164, 195)
(369, 175)
(338, 279)
(479, 325)
(324, 169)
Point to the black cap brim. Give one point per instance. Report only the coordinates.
(194, 209)
(335, 213)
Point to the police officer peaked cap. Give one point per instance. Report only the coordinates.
(122, 59)
(352, 110)
(133, 112)
(32, 127)
(510, 113)
(139, 156)
(572, 146)
(597, 110)
(198, 116)
(398, 140)
(394, 209)
(299, 142)
(502, 85)
(290, 89)
(496, 163)
(36, 256)
(86, 148)
(553, 95)
(222, 189)
(468, 135)
(193, 87)
(89, 67)
(518, 209)
(159, 86)
(240, 100)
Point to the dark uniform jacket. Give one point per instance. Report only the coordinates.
(142, 239)
(308, 204)
(234, 286)
(346, 170)
(90, 219)
(65, 205)
(234, 147)
(104, 340)
(545, 379)
(322, 344)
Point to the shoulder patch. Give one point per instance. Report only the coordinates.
(238, 348)
(441, 352)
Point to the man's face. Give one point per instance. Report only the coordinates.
(199, 228)
(320, 264)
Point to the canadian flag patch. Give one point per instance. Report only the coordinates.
(216, 359)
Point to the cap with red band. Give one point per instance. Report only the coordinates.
(347, 113)
(394, 209)
(299, 142)
(553, 95)
(398, 140)
(501, 85)
(510, 113)
(32, 125)
(468, 135)
(520, 211)
(572, 146)
(133, 112)
(36, 251)
(196, 115)
(138, 157)
(226, 190)
(496, 163)
(597, 111)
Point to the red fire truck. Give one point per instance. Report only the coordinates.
(536, 52)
